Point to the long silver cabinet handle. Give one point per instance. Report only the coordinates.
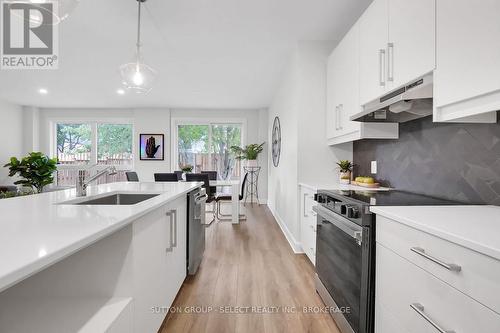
(336, 117)
(390, 62)
(174, 213)
(419, 308)
(170, 247)
(304, 207)
(341, 108)
(451, 267)
(381, 64)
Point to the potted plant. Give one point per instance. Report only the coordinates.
(345, 167)
(35, 170)
(248, 153)
(187, 168)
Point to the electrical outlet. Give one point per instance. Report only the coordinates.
(374, 167)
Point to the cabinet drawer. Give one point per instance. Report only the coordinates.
(385, 322)
(308, 222)
(400, 284)
(307, 198)
(478, 277)
(309, 242)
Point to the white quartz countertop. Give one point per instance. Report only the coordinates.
(37, 230)
(474, 227)
(342, 187)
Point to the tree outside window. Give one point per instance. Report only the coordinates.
(76, 146)
(207, 148)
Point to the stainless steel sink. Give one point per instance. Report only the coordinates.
(118, 199)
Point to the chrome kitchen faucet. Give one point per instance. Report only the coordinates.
(82, 183)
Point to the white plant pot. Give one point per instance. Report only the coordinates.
(345, 177)
(252, 163)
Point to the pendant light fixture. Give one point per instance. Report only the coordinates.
(137, 76)
(61, 11)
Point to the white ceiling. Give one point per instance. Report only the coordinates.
(209, 54)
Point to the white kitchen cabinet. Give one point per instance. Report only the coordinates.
(467, 76)
(308, 222)
(177, 269)
(373, 39)
(415, 299)
(411, 44)
(422, 278)
(159, 260)
(343, 81)
(397, 45)
(478, 276)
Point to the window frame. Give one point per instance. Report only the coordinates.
(180, 121)
(94, 140)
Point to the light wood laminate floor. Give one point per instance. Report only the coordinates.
(247, 265)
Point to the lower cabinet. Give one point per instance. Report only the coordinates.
(409, 298)
(308, 223)
(159, 261)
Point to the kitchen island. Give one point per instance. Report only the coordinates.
(70, 266)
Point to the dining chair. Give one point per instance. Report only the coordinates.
(212, 175)
(179, 174)
(228, 198)
(203, 177)
(132, 176)
(166, 177)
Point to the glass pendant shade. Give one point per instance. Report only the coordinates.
(137, 77)
(60, 12)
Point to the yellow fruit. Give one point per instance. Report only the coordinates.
(369, 180)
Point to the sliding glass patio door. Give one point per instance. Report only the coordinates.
(206, 147)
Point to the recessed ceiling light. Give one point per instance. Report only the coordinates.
(43, 91)
(120, 92)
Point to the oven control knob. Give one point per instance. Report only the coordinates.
(352, 212)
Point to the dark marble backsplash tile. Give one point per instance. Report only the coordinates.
(453, 161)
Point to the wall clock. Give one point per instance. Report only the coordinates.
(276, 148)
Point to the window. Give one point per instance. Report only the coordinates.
(74, 143)
(93, 144)
(207, 147)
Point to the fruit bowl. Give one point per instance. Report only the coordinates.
(366, 182)
(371, 185)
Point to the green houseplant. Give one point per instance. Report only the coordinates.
(345, 167)
(187, 168)
(35, 170)
(249, 152)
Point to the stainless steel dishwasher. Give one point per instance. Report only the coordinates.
(196, 229)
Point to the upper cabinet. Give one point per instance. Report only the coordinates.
(373, 38)
(397, 45)
(343, 96)
(412, 40)
(467, 76)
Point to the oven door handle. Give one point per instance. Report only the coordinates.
(348, 227)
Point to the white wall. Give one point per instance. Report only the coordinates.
(305, 156)
(282, 180)
(316, 160)
(158, 121)
(151, 121)
(11, 137)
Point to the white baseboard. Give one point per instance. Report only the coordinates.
(296, 246)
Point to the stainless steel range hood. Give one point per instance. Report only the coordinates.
(407, 103)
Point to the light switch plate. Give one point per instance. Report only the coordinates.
(374, 167)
